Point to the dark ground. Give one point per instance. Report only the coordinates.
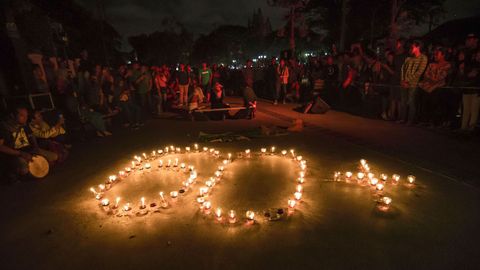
(55, 223)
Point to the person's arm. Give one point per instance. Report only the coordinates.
(210, 77)
(388, 69)
(38, 132)
(150, 83)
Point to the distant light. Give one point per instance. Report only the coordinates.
(234, 61)
(129, 62)
(254, 60)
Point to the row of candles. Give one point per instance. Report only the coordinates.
(366, 177)
(142, 162)
(205, 192)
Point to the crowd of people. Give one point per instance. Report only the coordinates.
(409, 84)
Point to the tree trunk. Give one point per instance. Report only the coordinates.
(292, 30)
(343, 25)
(393, 24)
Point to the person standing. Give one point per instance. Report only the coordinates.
(412, 70)
(183, 82)
(395, 89)
(205, 79)
(271, 78)
(471, 99)
(282, 71)
(144, 86)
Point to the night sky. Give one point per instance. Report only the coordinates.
(132, 17)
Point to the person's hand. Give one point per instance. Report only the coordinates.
(26, 156)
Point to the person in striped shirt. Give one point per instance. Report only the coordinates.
(412, 70)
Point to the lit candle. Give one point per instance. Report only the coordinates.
(160, 163)
(218, 214)
(178, 149)
(380, 186)
(225, 162)
(112, 178)
(229, 156)
(292, 203)
(336, 176)
(117, 200)
(384, 177)
(302, 174)
(203, 191)
(301, 180)
(221, 168)
(200, 200)
(207, 205)
(105, 202)
(196, 147)
(247, 152)
(370, 175)
(144, 156)
(93, 191)
(299, 158)
(160, 151)
(121, 173)
(217, 152)
(272, 150)
(363, 162)
(154, 153)
(128, 169)
(182, 165)
(169, 163)
(374, 181)
(176, 162)
(250, 215)
(161, 196)
(299, 188)
(232, 216)
(166, 149)
(298, 196)
(133, 164)
(360, 175)
(127, 207)
(263, 150)
(209, 183)
(292, 152)
(386, 200)
(187, 149)
(218, 173)
(174, 194)
(396, 178)
(142, 200)
(284, 152)
(348, 174)
(205, 149)
(411, 179)
(101, 187)
(147, 166)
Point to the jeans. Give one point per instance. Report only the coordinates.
(183, 94)
(131, 112)
(408, 104)
(281, 91)
(471, 105)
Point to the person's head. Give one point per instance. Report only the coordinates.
(440, 54)
(218, 87)
(182, 67)
(282, 62)
(84, 54)
(37, 116)
(329, 60)
(274, 60)
(98, 69)
(471, 41)
(461, 56)
(416, 48)
(204, 65)
(400, 45)
(21, 115)
(249, 63)
(390, 56)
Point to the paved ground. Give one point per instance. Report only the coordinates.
(55, 223)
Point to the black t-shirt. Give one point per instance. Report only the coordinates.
(16, 136)
(182, 77)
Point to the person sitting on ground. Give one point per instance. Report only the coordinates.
(18, 145)
(95, 119)
(130, 110)
(216, 101)
(50, 138)
(197, 97)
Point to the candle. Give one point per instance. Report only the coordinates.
(272, 150)
(411, 179)
(299, 158)
(127, 207)
(292, 152)
(380, 186)
(336, 176)
(112, 178)
(211, 150)
(101, 187)
(298, 196)
(370, 175)
(218, 173)
(232, 216)
(205, 149)
(217, 152)
(169, 163)
(396, 178)
(128, 169)
(203, 191)
(209, 183)
(144, 155)
(105, 202)
(93, 191)
(386, 200)
(363, 162)
(196, 147)
(178, 149)
(292, 203)
(147, 166)
(263, 150)
(182, 165)
(284, 152)
(218, 214)
(302, 174)
(117, 200)
(166, 149)
(229, 156)
(366, 168)
(225, 162)
(360, 175)
(299, 188)
(250, 215)
(384, 177)
(348, 174)
(161, 196)
(160, 163)
(174, 194)
(221, 168)
(133, 164)
(142, 200)
(160, 151)
(301, 180)
(153, 153)
(200, 200)
(247, 152)
(176, 162)
(207, 205)
(187, 149)
(374, 181)
(303, 166)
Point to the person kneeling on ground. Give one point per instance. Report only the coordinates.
(18, 145)
(196, 98)
(50, 138)
(95, 119)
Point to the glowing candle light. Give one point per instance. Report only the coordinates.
(229, 156)
(182, 166)
(411, 179)
(380, 186)
(105, 202)
(263, 150)
(166, 149)
(160, 151)
(101, 187)
(169, 163)
(127, 207)
(374, 181)
(117, 200)
(209, 183)
(196, 147)
(176, 162)
(211, 150)
(112, 178)
(161, 196)
(144, 156)
(298, 196)
(396, 178)
(299, 158)
(336, 176)
(133, 164)
(207, 205)
(299, 188)
(292, 152)
(121, 173)
(221, 168)
(302, 174)
(247, 152)
(250, 215)
(303, 167)
(386, 200)
(147, 166)
(284, 152)
(142, 205)
(272, 150)
(360, 175)
(384, 177)
(200, 200)
(154, 153)
(128, 169)
(292, 203)
(217, 152)
(178, 150)
(187, 149)
(218, 173)
(348, 174)
(225, 162)
(93, 191)
(205, 149)
(301, 180)
(172, 147)
(218, 213)
(203, 191)
(174, 194)
(160, 163)
(232, 218)
(370, 175)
